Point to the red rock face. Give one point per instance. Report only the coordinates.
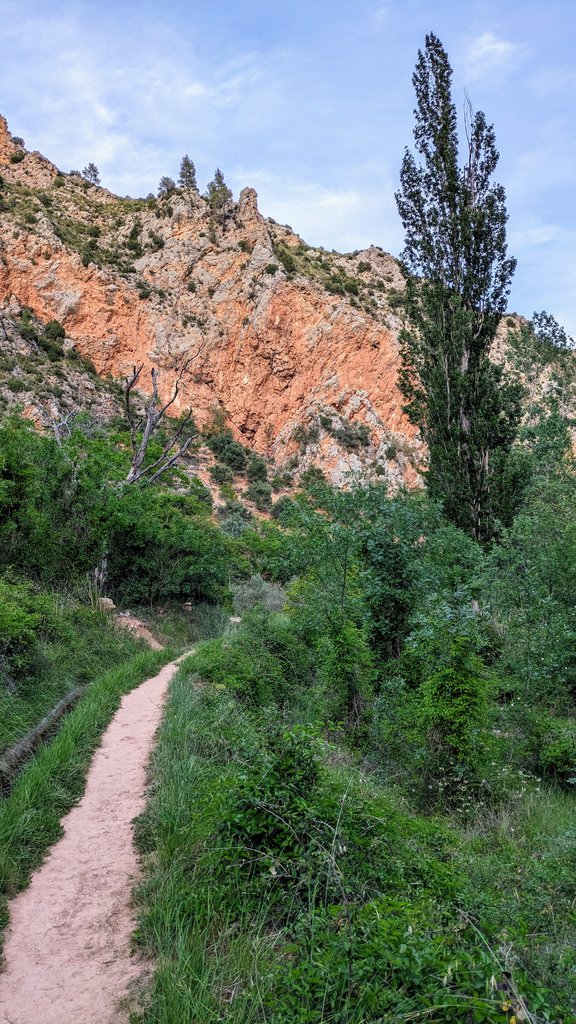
(309, 351)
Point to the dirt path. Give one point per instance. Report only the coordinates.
(67, 950)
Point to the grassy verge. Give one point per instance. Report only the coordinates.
(54, 780)
(284, 886)
(75, 646)
(187, 921)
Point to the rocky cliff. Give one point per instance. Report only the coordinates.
(298, 346)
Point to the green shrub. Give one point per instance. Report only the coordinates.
(221, 474)
(233, 454)
(26, 327)
(282, 478)
(233, 524)
(453, 714)
(269, 830)
(263, 660)
(286, 258)
(352, 435)
(156, 241)
(260, 493)
(54, 330)
(346, 674)
(257, 591)
(557, 753)
(51, 340)
(282, 509)
(390, 959)
(160, 549)
(199, 491)
(311, 477)
(22, 613)
(16, 385)
(256, 469)
(305, 436)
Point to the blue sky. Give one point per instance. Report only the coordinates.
(308, 101)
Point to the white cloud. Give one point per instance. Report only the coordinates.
(488, 56)
(340, 217)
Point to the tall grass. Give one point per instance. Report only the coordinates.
(54, 780)
(205, 946)
(80, 644)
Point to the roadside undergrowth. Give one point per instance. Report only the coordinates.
(284, 885)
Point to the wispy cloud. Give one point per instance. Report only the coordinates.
(342, 218)
(381, 14)
(488, 56)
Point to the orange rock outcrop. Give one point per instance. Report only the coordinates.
(293, 343)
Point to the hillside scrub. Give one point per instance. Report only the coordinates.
(64, 507)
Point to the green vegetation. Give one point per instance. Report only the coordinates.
(49, 645)
(377, 753)
(217, 194)
(458, 280)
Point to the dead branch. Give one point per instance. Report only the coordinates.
(142, 428)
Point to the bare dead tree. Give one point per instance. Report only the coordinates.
(142, 427)
(62, 427)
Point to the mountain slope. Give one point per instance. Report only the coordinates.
(297, 345)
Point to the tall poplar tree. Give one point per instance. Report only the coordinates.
(458, 276)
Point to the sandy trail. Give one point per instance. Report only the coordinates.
(67, 950)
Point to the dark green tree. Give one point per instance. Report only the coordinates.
(91, 174)
(458, 277)
(547, 329)
(217, 192)
(166, 186)
(187, 177)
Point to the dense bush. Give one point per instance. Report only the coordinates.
(256, 469)
(257, 591)
(234, 455)
(21, 616)
(352, 435)
(556, 752)
(260, 493)
(160, 550)
(262, 660)
(221, 474)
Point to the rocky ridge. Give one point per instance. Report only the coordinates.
(296, 346)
